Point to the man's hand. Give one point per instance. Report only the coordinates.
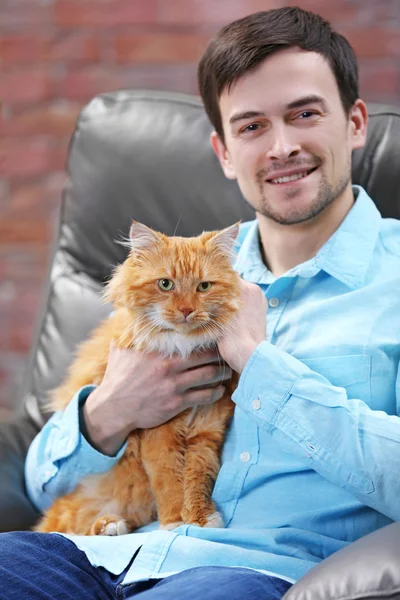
(248, 328)
(141, 391)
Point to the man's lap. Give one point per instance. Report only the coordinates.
(45, 566)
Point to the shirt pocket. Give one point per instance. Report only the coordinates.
(351, 372)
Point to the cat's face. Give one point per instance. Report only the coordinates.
(182, 285)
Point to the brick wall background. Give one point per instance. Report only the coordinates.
(56, 54)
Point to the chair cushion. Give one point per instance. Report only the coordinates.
(364, 570)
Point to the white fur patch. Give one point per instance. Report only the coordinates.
(116, 528)
(172, 342)
(215, 520)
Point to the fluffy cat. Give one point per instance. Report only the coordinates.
(167, 472)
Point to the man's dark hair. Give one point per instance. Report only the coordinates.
(242, 45)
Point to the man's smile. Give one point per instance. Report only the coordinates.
(290, 176)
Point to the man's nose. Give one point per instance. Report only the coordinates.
(282, 144)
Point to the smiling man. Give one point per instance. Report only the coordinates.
(311, 460)
(286, 129)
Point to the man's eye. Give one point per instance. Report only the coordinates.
(251, 127)
(306, 114)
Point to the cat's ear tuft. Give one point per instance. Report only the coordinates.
(225, 239)
(142, 237)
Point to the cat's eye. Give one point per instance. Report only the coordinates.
(166, 285)
(204, 286)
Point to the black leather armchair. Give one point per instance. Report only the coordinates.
(146, 155)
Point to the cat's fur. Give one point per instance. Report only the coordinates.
(168, 471)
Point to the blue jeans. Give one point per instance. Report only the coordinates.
(41, 566)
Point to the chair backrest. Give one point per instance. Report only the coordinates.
(146, 155)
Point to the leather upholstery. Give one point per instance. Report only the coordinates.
(146, 155)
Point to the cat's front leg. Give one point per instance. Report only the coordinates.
(202, 463)
(162, 451)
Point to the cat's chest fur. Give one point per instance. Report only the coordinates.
(169, 343)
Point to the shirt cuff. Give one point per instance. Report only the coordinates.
(266, 382)
(60, 456)
(73, 442)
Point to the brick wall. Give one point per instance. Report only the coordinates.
(56, 54)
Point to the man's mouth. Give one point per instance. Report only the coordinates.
(292, 176)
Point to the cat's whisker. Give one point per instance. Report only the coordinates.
(144, 333)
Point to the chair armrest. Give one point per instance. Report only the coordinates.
(364, 570)
(16, 510)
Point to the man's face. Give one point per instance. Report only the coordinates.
(288, 141)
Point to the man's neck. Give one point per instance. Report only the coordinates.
(286, 246)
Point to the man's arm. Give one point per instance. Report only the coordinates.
(138, 391)
(60, 456)
(343, 439)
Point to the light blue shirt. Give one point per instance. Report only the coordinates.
(311, 461)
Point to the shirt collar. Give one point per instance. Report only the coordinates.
(346, 255)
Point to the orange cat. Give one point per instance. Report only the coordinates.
(168, 471)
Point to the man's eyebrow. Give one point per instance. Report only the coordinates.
(248, 114)
(310, 99)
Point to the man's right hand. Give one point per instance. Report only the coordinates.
(140, 391)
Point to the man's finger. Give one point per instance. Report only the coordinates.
(198, 359)
(203, 376)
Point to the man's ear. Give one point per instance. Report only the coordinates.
(358, 117)
(223, 155)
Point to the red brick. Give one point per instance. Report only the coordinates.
(23, 265)
(337, 11)
(21, 157)
(106, 13)
(211, 11)
(76, 46)
(380, 83)
(25, 85)
(36, 198)
(17, 49)
(84, 83)
(25, 15)
(25, 231)
(374, 42)
(160, 47)
(57, 119)
(25, 49)
(172, 76)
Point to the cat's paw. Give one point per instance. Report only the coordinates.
(214, 520)
(170, 526)
(107, 526)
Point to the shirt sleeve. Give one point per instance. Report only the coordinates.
(342, 439)
(60, 456)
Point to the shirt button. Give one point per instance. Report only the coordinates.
(245, 456)
(256, 404)
(273, 302)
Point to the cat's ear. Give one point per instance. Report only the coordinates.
(142, 237)
(225, 239)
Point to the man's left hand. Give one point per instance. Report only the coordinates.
(247, 330)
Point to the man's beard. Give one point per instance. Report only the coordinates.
(326, 195)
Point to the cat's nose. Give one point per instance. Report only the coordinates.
(186, 311)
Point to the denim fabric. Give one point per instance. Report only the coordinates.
(212, 583)
(37, 566)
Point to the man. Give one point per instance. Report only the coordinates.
(311, 460)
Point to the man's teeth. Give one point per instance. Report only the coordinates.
(289, 177)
